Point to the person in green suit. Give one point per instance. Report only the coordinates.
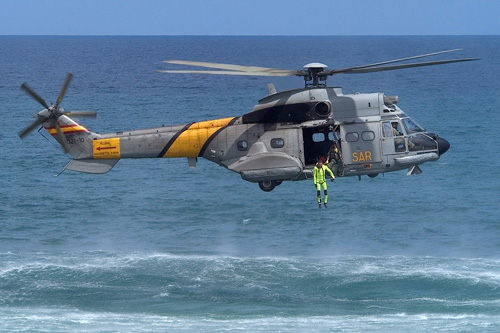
(320, 171)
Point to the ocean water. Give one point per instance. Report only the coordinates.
(153, 246)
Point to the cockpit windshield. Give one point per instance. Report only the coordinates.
(411, 126)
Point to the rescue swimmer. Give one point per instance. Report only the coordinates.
(319, 177)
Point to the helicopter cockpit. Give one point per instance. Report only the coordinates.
(409, 136)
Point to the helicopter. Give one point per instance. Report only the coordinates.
(281, 139)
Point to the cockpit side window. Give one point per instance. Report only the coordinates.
(387, 129)
(396, 128)
(392, 129)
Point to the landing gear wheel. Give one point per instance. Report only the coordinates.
(267, 185)
(372, 175)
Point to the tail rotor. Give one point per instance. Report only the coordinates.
(53, 113)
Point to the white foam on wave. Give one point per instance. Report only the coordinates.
(66, 319)
(349, 267)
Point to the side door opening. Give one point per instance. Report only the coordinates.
(317, 143)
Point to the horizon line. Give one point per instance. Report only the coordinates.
(235, 35)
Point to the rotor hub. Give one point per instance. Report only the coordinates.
(312, 76)
(315, 66)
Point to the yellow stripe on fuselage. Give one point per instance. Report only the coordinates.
(190, 142)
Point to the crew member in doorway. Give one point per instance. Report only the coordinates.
(320, 171)
(333, 154)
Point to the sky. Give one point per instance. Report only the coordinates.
(250, 17)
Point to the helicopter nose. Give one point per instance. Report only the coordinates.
(443, 145)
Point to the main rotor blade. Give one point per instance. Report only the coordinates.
(64, 87)
(77, 114)
(393, 61)
(34, 95)
(283, 73)
(390, 68)
(231, 67)
(31, 127)
(61, 138)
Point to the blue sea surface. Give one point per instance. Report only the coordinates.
(154, 246)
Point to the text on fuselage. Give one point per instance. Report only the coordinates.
(362, 156)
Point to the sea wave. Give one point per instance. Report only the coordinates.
(170, 284)
(56, 320)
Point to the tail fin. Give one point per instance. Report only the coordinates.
(78, 141)
(74, 138)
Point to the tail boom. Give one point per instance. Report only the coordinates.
(98, 153)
